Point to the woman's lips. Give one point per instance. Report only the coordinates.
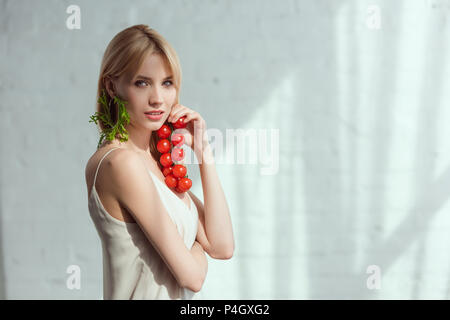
(154, 116)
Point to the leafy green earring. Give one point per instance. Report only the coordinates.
(110, 129)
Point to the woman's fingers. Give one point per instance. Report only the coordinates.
(176, 112)
(190, 116)
(178, 115)
(180, 111)
(189, 113)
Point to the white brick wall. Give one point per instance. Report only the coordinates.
(362, 115)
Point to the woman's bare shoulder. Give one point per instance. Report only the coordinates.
(111, 163)
(115, 155)
(116, 159)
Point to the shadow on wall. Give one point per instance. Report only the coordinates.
(2, 257)
(330, 207)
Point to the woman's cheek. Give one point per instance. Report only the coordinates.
(172, 96)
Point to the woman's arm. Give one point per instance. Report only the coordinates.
(139, 195)
(217, 236)
(218, 228)
(200, 257)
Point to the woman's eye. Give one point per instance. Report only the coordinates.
(140, 81)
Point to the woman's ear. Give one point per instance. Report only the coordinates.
(110, 87)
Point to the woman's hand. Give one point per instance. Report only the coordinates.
(195, 137)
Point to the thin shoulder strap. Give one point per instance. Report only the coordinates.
(98, 166)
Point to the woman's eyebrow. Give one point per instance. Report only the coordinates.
(150, 78)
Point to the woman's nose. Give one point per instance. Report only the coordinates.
(156, 95)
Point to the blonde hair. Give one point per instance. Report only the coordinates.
(125, 54)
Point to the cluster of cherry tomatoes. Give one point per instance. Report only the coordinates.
(169, 145)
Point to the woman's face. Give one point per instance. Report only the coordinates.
(150, 89)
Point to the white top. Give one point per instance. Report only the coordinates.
(132, 268)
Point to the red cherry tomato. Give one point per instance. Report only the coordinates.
(171, 181)
(163, 146)
(177, 188)
(164, 132)
(179, 170)
(166, 160)
(177, 154)
(179, 124)
(184, 184)
(177, 138)
(167, 170)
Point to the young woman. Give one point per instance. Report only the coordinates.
(153, 238)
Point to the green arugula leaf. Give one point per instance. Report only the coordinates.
(111, 130)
